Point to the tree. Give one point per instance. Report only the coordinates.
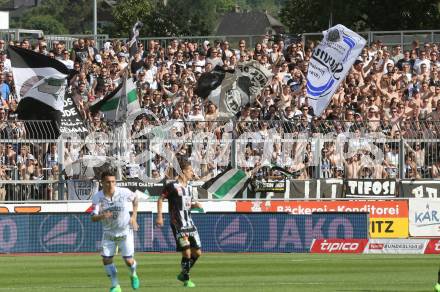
(46, 23)
(193, 17)
(127, 12)
(178, 17)
(74, 15)
(313, 16)
(403, 15)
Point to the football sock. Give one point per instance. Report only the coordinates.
(186, 266)
(132, 268)
(112, 273)
(193, 261)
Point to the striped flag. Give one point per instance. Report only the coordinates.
(130, 102)
(134, 34)
(40, 84)
(120, 103)
(228, 184)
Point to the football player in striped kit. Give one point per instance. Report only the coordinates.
(180, 202)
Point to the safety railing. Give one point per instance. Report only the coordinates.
(390, 38)
(32, 168)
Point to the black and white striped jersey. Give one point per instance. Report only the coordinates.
(180, 199)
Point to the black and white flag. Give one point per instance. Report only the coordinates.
(40, 83)
(134, 34)
(230, 91)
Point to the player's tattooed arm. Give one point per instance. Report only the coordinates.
(159, 218)
(196, 205)
(133, 219)
(104, 215)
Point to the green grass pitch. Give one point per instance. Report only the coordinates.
(226, 272)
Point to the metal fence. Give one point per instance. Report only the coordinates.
(38, 169)
(17, 34)
(390, 38)
(68, 40)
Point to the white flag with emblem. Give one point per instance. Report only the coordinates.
(38, 77)
(331, 60)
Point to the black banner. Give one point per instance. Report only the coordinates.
(71, 121)
(316, 188)
(370, 188)
(419, 188)
(343, 188)
(135, 184)
(85, 189)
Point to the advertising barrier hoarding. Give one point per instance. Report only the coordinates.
(388, 219)
(219, 232)
(396, 246)
(424, 217)
(433, 247)
(338, 245)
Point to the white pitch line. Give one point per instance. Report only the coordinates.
(389, 257)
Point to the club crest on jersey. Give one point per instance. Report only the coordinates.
(180, 191)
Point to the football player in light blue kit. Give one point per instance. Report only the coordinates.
(111, 206)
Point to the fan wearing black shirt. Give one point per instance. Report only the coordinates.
(180, 202)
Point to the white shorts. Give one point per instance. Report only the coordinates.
(125, 244)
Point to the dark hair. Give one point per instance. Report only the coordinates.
(108, 172)
(183, 163)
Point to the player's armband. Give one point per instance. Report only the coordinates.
(95, 210)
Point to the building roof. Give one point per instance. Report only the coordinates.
(247, 23)
(15, 4)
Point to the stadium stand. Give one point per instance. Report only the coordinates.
(382, 123)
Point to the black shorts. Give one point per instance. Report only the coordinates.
(186, 238)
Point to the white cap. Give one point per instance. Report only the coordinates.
(98, 58)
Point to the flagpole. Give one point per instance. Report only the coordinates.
(120, 123)
(95, 20)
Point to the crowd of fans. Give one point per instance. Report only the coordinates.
(390, 96)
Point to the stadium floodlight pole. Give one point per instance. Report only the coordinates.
(95, 19)
(330, 20)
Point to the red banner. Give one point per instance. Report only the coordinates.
(433, 247)
(338, 245)
(377, 209)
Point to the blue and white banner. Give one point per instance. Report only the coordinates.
(219, 232)
(330, 63)
(424, 217)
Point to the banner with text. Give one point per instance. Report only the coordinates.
(72, 121)
(84, 189)
(419, 188)
(316, 188)
(396, 246)
(330, 63)
(424, 217)
(433, 247)
(219, 232)
(388, 219)
(338, 245)
(343, 188)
